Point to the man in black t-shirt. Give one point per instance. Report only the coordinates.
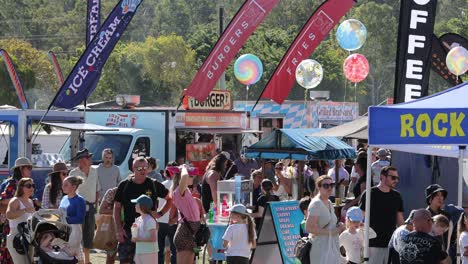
(386, 213)
(131, 188)
(419, 246)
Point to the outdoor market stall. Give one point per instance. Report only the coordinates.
(433, 125)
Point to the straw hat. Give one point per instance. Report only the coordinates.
(82, 154)
(21, 162)
(58, 167)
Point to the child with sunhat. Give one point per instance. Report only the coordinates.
(145, 232)
(352, 239)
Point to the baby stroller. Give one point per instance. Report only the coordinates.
(29, 235)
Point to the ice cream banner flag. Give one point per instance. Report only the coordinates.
(93, 19)
(244, 23)
(14, 79)
(79, 83)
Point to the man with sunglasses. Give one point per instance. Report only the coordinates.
(131, 188)
(386, 213)
(89, 191)
(419, 246)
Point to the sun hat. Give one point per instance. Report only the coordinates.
(239, 209)
(59, 167)
(354, 214)
(432, 189)
(21, 162)
(143, 200)
(82, 154)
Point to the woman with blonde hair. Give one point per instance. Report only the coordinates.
(323, 225)
(75, 207)
(19, 209)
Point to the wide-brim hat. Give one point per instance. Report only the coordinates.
(432, 189)
(84, 153)
(59, 167)
(21, 162)
(239, 209)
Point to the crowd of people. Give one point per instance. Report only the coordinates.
(156, 214)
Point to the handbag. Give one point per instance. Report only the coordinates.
(302, 250)
(203, 234)
(104, 237)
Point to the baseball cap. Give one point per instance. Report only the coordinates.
(354, 214)
(143, 200)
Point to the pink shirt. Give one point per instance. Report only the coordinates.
(187, 205)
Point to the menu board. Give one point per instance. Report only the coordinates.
(287, 218)
(278, 234)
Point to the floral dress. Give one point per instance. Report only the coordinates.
(6, 193)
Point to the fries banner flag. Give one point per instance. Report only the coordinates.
(325, 17)
(79, 83)
(244, 23)
(14, 79)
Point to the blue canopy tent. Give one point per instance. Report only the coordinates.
(297, 144)
(433, 125)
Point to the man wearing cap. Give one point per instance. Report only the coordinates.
(397, 237)
(419, 246)
(386, 213)
(108, 173)
(435, 199)
(89, 191)
(377, 166)
(131, 188)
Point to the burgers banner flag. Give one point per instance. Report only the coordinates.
(14, 79)
(314, 31)
(79, 83)
(93, 19)
(56, 66)
(244, 23)
(413, 59)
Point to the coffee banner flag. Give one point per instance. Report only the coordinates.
(413, 61)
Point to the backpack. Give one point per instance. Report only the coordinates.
(302, 250)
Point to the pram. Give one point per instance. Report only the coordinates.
(29, 235)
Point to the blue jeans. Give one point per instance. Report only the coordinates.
(166, 230)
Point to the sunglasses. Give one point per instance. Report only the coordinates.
(394, 178)
(28, 167)
(190, 186)
(278, 168)
(29, 185)
(141, 168)
(328, 185)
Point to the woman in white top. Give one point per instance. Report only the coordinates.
(19, 209)
(283, 189)
(322, 224)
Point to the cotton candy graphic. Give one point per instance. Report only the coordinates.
(248, 69)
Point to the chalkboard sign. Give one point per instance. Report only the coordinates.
(278, 234)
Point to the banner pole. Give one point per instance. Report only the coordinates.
(368, 201)
(461, 155)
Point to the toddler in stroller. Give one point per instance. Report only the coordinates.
(46, 234)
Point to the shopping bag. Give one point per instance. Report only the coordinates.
(104, 237)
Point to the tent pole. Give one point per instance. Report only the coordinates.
(461, 150)
(368, 199)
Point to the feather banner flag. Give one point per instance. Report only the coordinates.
(325, 17)
(244, 23)
(14, 79)
(79, 83)
(56, 66)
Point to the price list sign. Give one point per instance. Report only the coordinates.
(287, 218)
